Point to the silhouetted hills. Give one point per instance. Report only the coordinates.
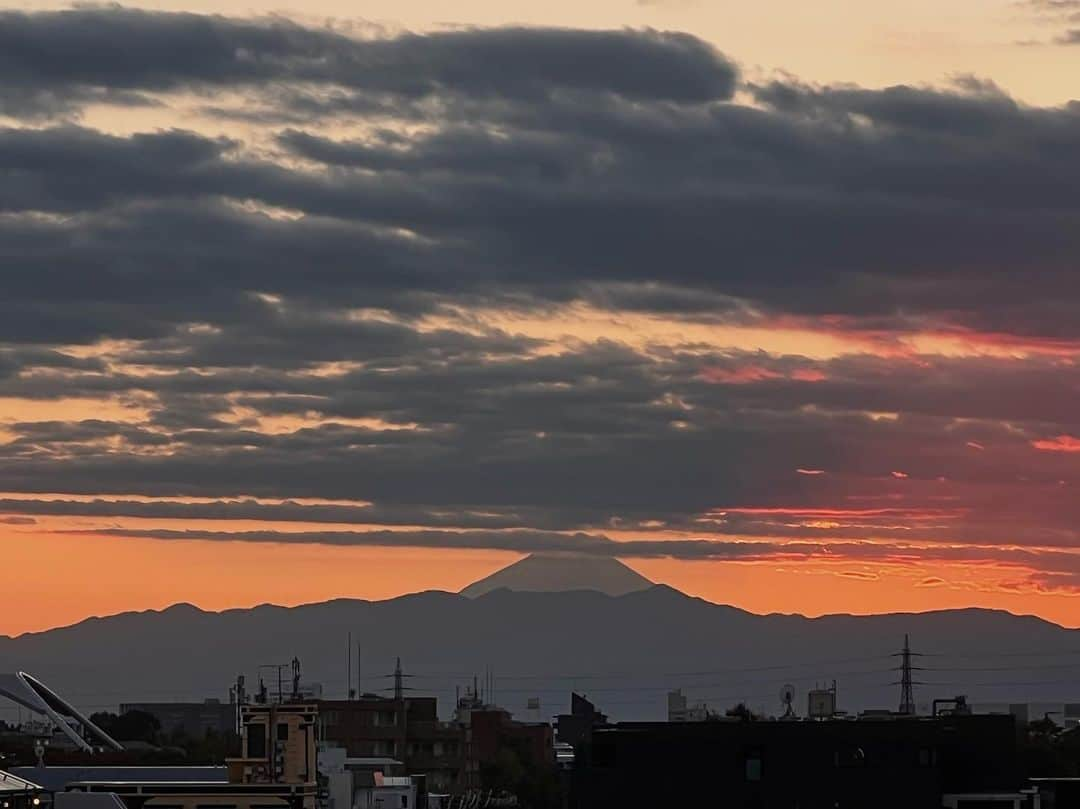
(624, 651)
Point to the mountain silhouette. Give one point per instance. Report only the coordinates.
(555, 572)
(624, 652)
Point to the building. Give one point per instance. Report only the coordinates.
(1065, 714)
(576, 728)
(365, 783)
(679, 710)
(276, 770)
(490, 732)
(453, 756)
(407, 729)
(194, 719)
(893, 763)
(821, 702)
(1071, 715)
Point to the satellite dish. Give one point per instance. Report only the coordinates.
(787, 697)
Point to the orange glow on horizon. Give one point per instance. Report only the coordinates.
(147, 574)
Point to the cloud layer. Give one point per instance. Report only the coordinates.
(522, 288)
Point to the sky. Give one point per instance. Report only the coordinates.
(774, 301)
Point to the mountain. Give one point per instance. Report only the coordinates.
(624, 651)
(553, 572)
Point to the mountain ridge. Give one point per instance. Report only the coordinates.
(175, 608)
(625, 651)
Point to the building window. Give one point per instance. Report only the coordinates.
(282, 732)
(256, 741)
(753, 767)
(385, 719)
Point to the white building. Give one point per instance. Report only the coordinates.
(363, 783)
(679, 710)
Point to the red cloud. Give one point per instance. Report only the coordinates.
(808, 375)
(749, 374)
(1062, 443)
(738, 376)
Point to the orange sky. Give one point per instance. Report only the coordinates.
(83, 576)
(970, 452)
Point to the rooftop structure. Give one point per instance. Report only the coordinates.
(17, 792)
(35, 696)
(276, 770)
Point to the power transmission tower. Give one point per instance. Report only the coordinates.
(399, 678)
(907, 684)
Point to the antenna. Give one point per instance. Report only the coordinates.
(787, 696)
(280, 677)
(296, 678)
(907, 690)
(348, 670)
(239, 692)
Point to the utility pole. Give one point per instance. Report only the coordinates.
(399, 685)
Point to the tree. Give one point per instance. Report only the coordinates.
(741, 711)
(129, 727)
(1048, 751)
(514, 771)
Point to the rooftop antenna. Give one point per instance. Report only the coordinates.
(787, 696)
(296, 678)
(280, 679)
(348, 671)
(239, 694)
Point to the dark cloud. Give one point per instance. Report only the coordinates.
(519, 434)
(51, 62)
(288, 511)
(519, 541)
(794, 209)
(301, 315)
(1054, 563)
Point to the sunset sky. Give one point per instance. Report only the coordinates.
(778, 302)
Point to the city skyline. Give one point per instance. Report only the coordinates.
(300, 306)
